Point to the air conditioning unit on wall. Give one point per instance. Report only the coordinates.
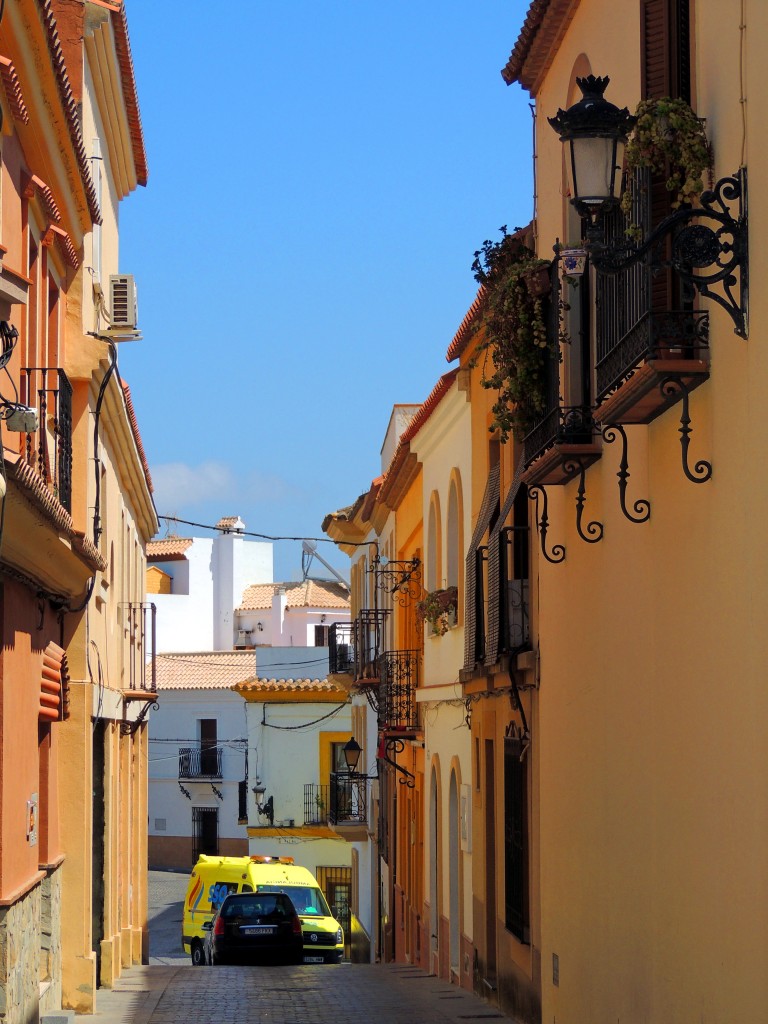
(123, 306)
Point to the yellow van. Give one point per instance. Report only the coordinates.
(214, 877)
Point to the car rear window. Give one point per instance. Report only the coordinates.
(257, 905)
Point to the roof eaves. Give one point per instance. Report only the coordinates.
(544, 26)
(128, 79)
(403, 450)
(70, 106)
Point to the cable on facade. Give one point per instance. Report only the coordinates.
(284, 664)
(304, 725)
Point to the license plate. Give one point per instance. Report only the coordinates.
(314, 959)
(251, 930)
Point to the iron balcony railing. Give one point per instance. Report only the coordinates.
(355, 646)
(341, 647)
(48, 390)
(561, 425)
(635, 320)
(200, 762)
(348, 798)
(675, 334)
(399, 678)
(139, 624)
(316, 804)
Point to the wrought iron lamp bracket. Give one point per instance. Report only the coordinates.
(593, 532)
(398, 746)
(557, 554)
(702, 470)
(708, 246)
(128, 728)
(185, 791)
(401, 578)
(218, 792)
(641, 509)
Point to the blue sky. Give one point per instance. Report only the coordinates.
(320, 175)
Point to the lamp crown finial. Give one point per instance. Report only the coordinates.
(592, 85)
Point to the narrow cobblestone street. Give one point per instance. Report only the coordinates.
(170, 991)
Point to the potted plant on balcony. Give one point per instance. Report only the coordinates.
(668, 139)
(438, 608)
(514, 332)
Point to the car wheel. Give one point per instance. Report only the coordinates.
(198, 954)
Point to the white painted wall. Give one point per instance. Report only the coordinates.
(175, 725)
(398, 421)
(200, 613)
(286, 758)
(291, 662)
(287, 627)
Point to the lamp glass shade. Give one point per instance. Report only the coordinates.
(595, 169)
(260, 792)
(352, 751)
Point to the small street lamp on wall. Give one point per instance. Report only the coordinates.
(264, 807)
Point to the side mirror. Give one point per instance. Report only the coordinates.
(207, 926)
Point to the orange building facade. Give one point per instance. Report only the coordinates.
(76, 515)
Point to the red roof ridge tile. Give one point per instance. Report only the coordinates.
(70, 107)
(137, 434)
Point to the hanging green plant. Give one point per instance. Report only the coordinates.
(668, 138)
(438, 608)
(515, 339)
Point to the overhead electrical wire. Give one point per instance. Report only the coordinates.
(261, 536)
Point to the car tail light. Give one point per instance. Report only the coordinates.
(218, 927)
(296, 924)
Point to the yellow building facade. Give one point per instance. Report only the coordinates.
(650, 704)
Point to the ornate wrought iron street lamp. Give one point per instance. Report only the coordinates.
(708, 242)
(595, 132)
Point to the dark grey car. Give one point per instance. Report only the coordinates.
(254, 927)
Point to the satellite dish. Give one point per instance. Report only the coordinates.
(310, 546)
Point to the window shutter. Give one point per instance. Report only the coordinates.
(54, 685)
(495, 575)
(488, 507)
(666, 71)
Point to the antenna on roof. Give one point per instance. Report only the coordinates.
(308, 552)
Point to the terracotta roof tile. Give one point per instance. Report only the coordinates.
(168, 548)
(466, 329)
(37, 491)
(262, 685)
(227, 522)
(70, 107)
(128, 78)
(13, 91)
(403, 450)
(543, 28)
(205, 670)
(137, 435)
(470, 323)
(307, 594)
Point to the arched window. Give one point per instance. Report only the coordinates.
(454, 540)
(434, 545)
(453, 536)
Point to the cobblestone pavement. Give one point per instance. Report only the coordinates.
(170, 991)
(343, 994)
